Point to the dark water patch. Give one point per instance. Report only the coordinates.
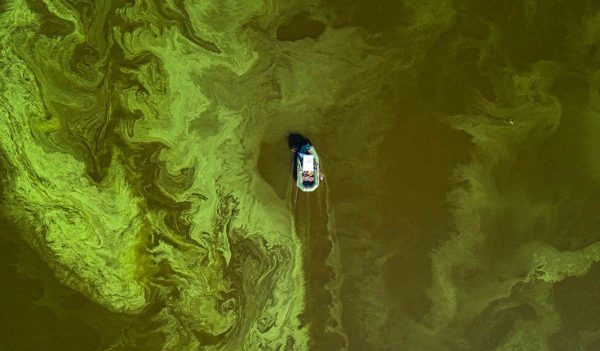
(275, 165)
(572, 89)
(439, 83)
(39, 313)
(577, 223)
(376, 17)
(472, 26)
(525, 28)
(455, 69)
(414, 168)
(300, 26)
(553, 170)
(408, 276)
(566, 341)
(576, 299)
(50, 24)
(412, 188)
(206, 124)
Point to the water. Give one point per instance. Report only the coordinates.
(148, 201)
(39, 313)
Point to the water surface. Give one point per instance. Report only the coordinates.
(148, 202)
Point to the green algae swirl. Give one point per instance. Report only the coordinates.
(134, 181)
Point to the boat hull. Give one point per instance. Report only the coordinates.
(308, 173)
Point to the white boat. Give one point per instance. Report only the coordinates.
(307, 168)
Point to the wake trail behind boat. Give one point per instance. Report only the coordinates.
(313, 224)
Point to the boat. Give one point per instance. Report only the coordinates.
(308, 174)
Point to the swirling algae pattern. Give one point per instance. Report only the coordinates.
(130, 175)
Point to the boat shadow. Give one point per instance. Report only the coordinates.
(295, 142)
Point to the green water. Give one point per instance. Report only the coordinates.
(147, 201)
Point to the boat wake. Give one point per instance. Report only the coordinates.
(315, 226)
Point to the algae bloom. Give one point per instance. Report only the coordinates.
(148, 199)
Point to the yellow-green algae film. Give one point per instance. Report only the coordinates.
(147, 201)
